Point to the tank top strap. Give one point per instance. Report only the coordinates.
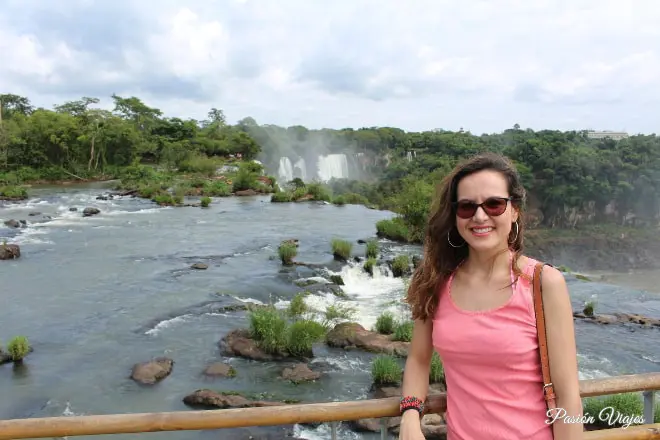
(524, 284)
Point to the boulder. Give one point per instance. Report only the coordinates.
(200, 266)
(350, 335)
(299, 373)
(88, 212)
(9, 251)
(239, 343)
(213, 399)
(153, 371)
(12, 223)
(219, 369)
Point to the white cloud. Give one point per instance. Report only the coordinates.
(482, 65)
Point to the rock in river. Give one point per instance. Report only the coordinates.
(153, 371)
(9, 251)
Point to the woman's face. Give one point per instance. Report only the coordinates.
(481, 231)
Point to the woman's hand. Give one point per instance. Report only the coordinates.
(411, 427)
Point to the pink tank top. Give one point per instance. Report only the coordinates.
(492, 367)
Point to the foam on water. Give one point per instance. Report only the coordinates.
(371, 296)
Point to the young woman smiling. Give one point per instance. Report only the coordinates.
(472, 302)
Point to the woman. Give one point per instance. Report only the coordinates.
(471, 299)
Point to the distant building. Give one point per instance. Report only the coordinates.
(614, 135)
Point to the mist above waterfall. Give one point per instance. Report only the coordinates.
(307, 154)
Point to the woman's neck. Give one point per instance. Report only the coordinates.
(481, 264)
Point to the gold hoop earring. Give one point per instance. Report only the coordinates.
(517, 232)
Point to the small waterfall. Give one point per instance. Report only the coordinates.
(332, 165)
(285, 170)
(300, 169)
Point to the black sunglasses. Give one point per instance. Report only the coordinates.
(493, 206)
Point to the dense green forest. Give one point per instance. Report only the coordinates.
(572, 179)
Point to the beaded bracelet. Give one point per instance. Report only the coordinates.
(411, 402)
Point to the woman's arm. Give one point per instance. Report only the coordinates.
(562, 354)
(418, 364)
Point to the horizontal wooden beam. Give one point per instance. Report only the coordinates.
(284, 415)
(203, 420)
(620, 384)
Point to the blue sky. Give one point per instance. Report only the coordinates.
(483, 65)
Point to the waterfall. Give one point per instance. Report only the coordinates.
(285, 170)
(300, 169)
(332, 165)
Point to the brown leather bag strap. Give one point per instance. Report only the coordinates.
(548, 387)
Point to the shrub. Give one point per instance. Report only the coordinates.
(273, 333)
(297, 307)
(217, 188)
(372, 249)
(268, 327)
(199, 163)
(394, 229)
(167, 199)
(245, 180)
(339, 201)
(281, 197)
(318, 192)
(403, 331)
(13, 192)
(385, 323)
(18, 348)
(206, 201)
(369, 266)
(302, 335)
(335, 313)
(341, 249)
(385, 370)
(400, 265)
(589, 308)
(287, 252)
(437, 371)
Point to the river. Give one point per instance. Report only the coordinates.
(96, 295)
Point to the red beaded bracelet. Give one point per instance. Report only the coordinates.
(411, 402)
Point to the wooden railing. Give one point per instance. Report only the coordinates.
(312, 413)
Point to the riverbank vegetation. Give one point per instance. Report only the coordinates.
(79, 141)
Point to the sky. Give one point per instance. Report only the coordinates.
(480, 65)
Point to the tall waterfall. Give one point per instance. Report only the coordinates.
(300, 169)
(332, 165)
(285, 170)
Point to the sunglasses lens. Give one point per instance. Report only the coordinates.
(466, 209)
(495, 207)
(492, 207)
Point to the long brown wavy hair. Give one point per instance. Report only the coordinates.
(440, 258)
